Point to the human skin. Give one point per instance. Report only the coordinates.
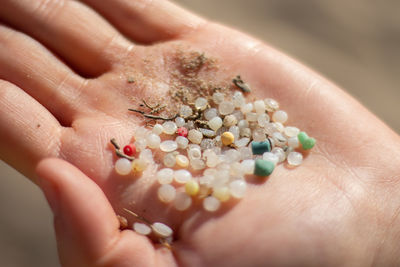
(339, 208)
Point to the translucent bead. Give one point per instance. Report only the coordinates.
(248, 166)
(139, 165)
(279, 139)
(226, 108)
(201, 103)
(245, 132)
(194, 152)
(259, 106)
(280, 116)
(192, 188)
(259, 135)
(290, 131)
(243, 124)
(195, 136)
(295, 158)
(168, 146)
(236, 169)
(182, 142)
(169, 160)
(123, 166)
(182, 201)
(242, 142)
(207, 132)
(207, 143)
(232, 155)
(141, 228)
(182, 161)
(185, 111)
(153, 140)
(293, 142)
(251, 116)
(235, 131)
(147, 155)
(161, 230)
(215, 123)
(238, 188)
(179, 121)
(211, 204)
(157, 129)
(218, 97)
(197, 164)
(166, 193)
(169, 127)
(189, 125)
(246, 108)
(279, 126)
(271, 104)
(269, 156)
(210, 113)
(165, 176)
(280, 153)
(238, 115)
(182, 176)
(245, 153)
(230, 120)
(212, 160)
(238, 99)
(140, 144)
(263, 119)
(222, 193)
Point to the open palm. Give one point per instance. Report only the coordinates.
(64, 93)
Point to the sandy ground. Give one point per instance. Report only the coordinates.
(354, 43)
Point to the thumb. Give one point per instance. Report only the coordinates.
(85, 223)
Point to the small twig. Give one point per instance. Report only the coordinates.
(153, 116)
(139, 217)
(241, 84)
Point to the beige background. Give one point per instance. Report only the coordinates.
(354, 43)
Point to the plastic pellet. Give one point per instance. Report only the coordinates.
(158, 129)
(238, 188)
(263, 168)
(259, 148)
(166, 193)
(215, 123)
(195, 136)
(295, 158)
(182, 176)
(185, 111)
(222, 193)
(162, 230)
(165, 176)
(192, 188)
(153, 140)
(226, 108)
(227, 138)
(169, 127)
(182, 201)
(201, 103)
(139, 165)
(168, 146)
(280, 116)
(211, 204)
(182, 161)
(306, 141)
(123, 166)
(141, 228)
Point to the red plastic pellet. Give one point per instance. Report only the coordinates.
(182, 131)
(130, 150)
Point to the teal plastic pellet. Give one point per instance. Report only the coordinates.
(259, 148)
(263, 168)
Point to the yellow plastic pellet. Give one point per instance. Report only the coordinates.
(222, 193)
(227, 138)
(192, 188)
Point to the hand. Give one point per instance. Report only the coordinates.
(71, 104)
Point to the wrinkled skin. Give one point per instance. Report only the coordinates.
(64, 94)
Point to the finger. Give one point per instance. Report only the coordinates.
(86, 225)
(72, 30)
(28, 131)
(147, 21)
(27, 64)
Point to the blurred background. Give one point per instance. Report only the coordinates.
(354, 43)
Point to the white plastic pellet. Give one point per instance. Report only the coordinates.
(280, 153)
(218, 97)
(251, 116)
(182, 142)
(169, 127)
(194, 152)
(210, 113)
(141, 228)
(243, 124)
(215, 123)
(235, 131)
(207, 132)
(279, 139)
(179, 121)
(211, 204)
(182, 201)
(166, 193)
(230, 120)
(259, 106)
(263, 119)
(123, 166)
(182, 176)
(242, 142)
(259, 135)
(162, 230)
(245, 153)
(290, 131)
(246, 108)
(238, 188)
(140, 144)
(165, 176)
(185, 111)
(201, 103)
(293, 142)
(169, 160)
(158, 129)
(147, 156)
(269, 156)
(295, 158)
(168, 146)
(238, 99)
(197, 164)
(195, 136)
(153, 140)
(271, 104)
(248, 166)
(182, 161)
(226, 107)
(280, 116)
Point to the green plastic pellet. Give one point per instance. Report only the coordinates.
(263, 167)
(259, 148)
(306, 141)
